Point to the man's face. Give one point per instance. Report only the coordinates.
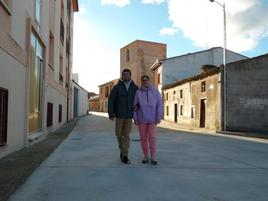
(126, 76)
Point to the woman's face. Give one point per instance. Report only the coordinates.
(145, 82)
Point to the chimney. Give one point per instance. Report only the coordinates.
(207, 67)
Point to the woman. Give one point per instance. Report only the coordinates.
(147, 114)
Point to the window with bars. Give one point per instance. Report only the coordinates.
(181, 93)
(203, 86)
(3, 115)
(49, 114)
(181, 110)
(167, 110)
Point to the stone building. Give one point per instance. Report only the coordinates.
(104, 92)
(197, 102)
(35, 69)
(139, 56)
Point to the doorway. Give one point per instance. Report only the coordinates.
(203, 113)
(175, 112)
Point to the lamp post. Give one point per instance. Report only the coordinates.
(224, 61)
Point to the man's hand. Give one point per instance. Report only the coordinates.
(111, 118)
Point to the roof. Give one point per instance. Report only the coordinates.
(75, 5)
(193, 78)
(159, 62)
(110, 82)
(144, 41)
(79, 86)
(248, 59)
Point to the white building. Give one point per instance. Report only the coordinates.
(80, 100)
(35, 65)
(170, 70)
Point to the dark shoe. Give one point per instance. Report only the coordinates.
(145, 160)
(125, 160)
(153, 162)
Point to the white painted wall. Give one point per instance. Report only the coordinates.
(82, 99)
(13, 78)
(181, 67)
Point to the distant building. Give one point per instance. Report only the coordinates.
(94, 103)
(104, 92)
(139, 56)
(80, 100)
(170, 70)
(197, 101)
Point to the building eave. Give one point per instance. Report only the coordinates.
(75, 6)
(193, 78)
(156, 64)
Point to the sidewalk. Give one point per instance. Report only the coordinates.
(192, 167)
(17, 167)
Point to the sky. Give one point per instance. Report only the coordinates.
(102, 27)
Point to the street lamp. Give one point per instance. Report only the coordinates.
(224, 60)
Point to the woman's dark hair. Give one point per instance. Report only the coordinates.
(126, 70)
(145, 76)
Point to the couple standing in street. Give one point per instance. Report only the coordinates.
(144, 105)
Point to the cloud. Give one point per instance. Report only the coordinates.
(153, 1)
(168, 31)
(119, 3)
(93, 58)
(202, 22)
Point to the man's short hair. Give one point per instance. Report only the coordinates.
(126, 70)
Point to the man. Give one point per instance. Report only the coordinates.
(120, 107)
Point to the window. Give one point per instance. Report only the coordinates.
(192, 112)
(181, 93)
(166, 96)
(60, 113)
(51, 49)
(158, 78)
(61, 31)
(62, 23)
(106, 91)
(38, 12)
(167, 111)
(49, 114)
(181, 110)
(3, 115)
(69, 6)
(127, 55)
(61, 70)
(174, 95)
(203, 86)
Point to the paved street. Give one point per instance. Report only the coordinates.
(194, 167)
